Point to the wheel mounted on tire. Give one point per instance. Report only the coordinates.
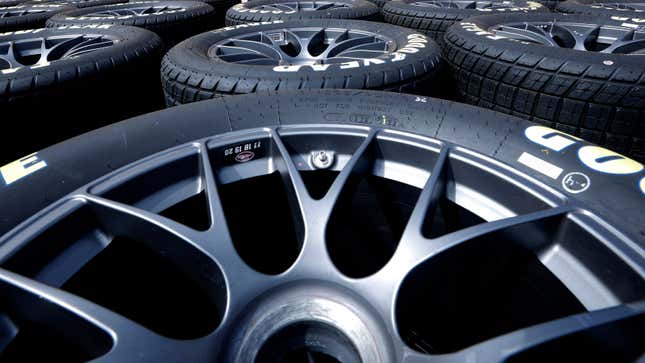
(621, 8)
(76, 3)
(262, 254)
(299, 54)
(434, 17)
(255, 11)
(25, 16)
(67, 81)
(173, 21)
(579, 74)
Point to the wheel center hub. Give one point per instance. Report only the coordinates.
(309, 322)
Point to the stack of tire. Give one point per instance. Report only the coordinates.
(581, 74)
(294, 89)
(512, 56)
(96, 63)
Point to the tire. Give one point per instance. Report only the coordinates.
(379, 3)
(60, 98)
(78, 161)
(255, 11)
(189, 74)
(629, 8)
(551, 4)
(78, 3)
(221, 7)
(597, 96)
(25, 16)
(181, 20)
(5, 3)
(434, 21)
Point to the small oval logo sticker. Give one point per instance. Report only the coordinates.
(244, 156)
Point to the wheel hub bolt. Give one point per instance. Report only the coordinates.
(322, 159)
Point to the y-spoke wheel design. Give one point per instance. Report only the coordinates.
(302, 6)
(300, 46)
(587, 37)
(384, 252)
(42, 51)
(134, 11)
(465, 4)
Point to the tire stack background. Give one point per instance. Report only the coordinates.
(601, 102)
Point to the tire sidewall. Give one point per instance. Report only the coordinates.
(192, 54)
(476, 30)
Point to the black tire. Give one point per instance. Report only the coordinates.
(597, 96)
(181, 20)
(5, 3)
(188, 74)
(434, 21)
(62, 98)
(551, 4)
(248, 12)
(77, 3)
(629, 8)
(24, 16)
(221, 7)
(379, 3)
(78, 161)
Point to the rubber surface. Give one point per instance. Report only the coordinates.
(597, 96)
(189, 74)
(434, 21)
(30, 21)
(77, 3)
(379, 3)
(589, 7)
(172, 26)
(617, 198)
(4, 3)
(246, 12)
(49, 103)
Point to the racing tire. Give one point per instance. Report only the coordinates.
(28, 16)
(567, 242)
(620, 8)
(202, 68)
(87, 77)
(588, 93)
(173, 21)
(433, 18)
(256, 11)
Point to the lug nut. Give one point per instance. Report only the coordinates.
(322, 159)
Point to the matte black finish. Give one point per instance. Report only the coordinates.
(461, 197)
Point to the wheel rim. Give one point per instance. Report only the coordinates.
(621, 6)
(457, 4)
(135, 11)
(296, 6)
(42, 51)
(444, 202)
(302, 46)
(579, 36)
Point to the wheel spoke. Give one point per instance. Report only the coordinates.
(416, 249)
(501, 348)
(255, 47)
(299, 200)
(31, 300)
(526, 34)
(10, 56)
(349, 44)
(626, 45)
(429, 198)
(358, 165)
